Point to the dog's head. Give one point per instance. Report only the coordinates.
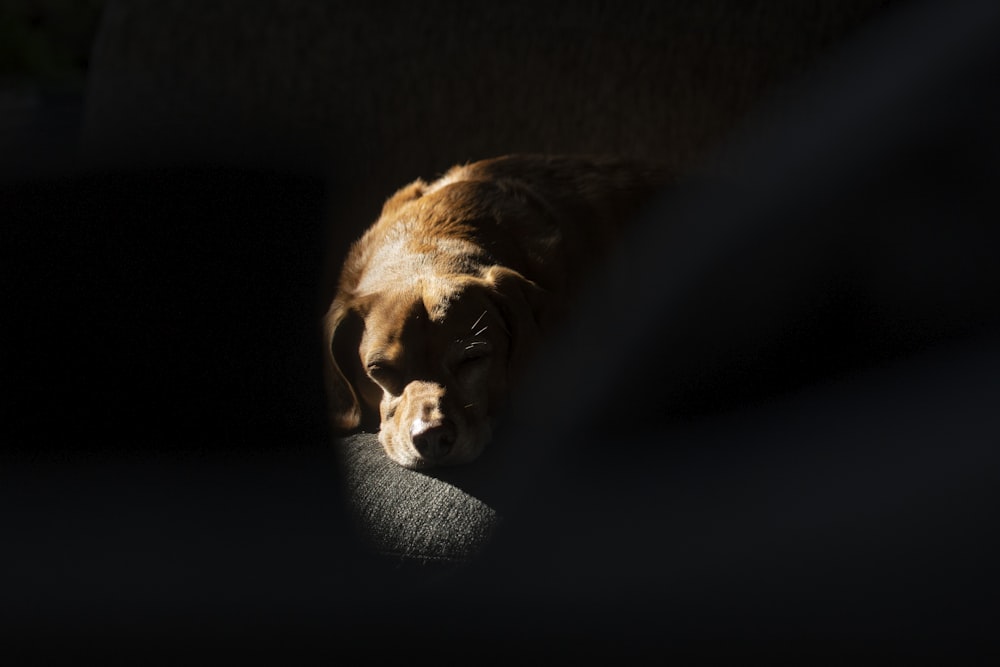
(430, 364)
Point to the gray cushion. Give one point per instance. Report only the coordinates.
(409, 515)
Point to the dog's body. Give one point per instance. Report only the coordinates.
(442, 299)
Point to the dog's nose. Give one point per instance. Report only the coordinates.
(433, 441)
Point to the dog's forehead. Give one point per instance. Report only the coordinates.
(402, 259)
(462, 305)
(390, 315)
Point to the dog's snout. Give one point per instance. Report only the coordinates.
(433, 441)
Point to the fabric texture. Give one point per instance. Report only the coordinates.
(408, 515)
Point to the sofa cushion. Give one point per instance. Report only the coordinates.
(406, 515)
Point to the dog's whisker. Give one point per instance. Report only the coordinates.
(481, 330)
(480, 319)
(470, 405)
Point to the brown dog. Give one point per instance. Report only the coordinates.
(441, 300)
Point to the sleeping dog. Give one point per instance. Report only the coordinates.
(443, 299)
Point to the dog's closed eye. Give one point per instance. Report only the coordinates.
(474, 352)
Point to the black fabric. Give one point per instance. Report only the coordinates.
(785, 440)
(853, 518)
(842, 236)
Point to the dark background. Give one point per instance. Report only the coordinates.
(809, 469)
(166, 475)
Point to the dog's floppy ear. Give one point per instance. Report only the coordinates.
(408, 193)
(342, 330)
(523, 305)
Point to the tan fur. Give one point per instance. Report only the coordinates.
(443, 298)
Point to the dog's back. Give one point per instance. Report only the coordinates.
(548, 217)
